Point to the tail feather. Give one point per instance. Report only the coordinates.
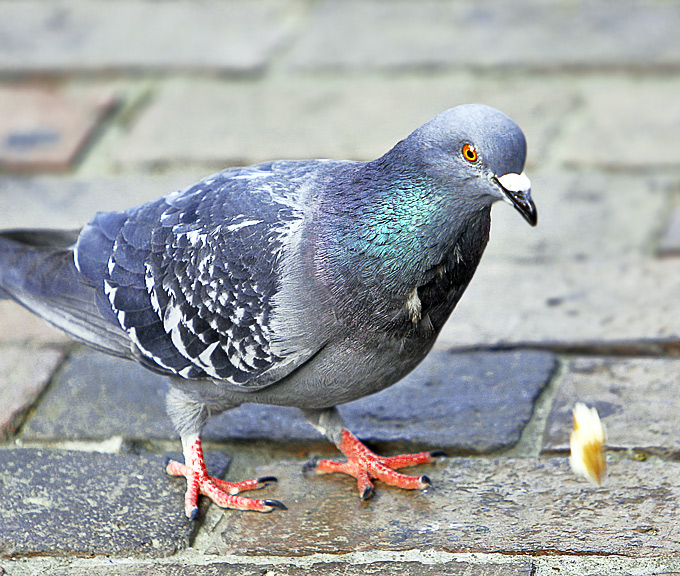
(37, 270)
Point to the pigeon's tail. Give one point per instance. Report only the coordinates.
(38, 271)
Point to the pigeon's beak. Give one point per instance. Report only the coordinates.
(516, 190)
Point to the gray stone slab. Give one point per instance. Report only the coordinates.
(24, 373)
(82, 504)
(438, 405)
(635, 397)
(489, 34)
(617, 112)
(507, 506)
(82, 36)
(617, 304)
(222, 123)
(330, 568)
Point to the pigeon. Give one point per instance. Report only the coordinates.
(305, 283)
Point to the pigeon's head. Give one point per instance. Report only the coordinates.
(478, 153)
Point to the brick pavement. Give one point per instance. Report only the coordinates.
(104, 105)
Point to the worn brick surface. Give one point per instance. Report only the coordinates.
(438, 405)
(223, 123)
(78, 503)
(635, 397)
(582, 216)
(24, 372)
(100, 36)
(620, 120)
(69, 203)
(490, 34)
(625, 303)
(329, 568)
(19, 326)
(509, 506)
(42, 128)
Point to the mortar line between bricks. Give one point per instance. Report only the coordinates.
(568, 565)
(530, 440)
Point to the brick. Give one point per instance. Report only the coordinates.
(45, 129)
(24, 373)
(330, 568)
(224, 123)
(624, 124)
(634, 398)
(82, 36)
(489, 35)
(438, 405)
(123, 398)
(618, 304)
(82, 504)
(506, 506)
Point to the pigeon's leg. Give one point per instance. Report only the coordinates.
(189, 416)
(361, 462)
(222, 493)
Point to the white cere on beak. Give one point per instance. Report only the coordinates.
(515, 182)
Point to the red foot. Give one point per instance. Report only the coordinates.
(365, 465)
(222, 493)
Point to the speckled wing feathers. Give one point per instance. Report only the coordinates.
(192, 277)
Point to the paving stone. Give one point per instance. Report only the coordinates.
(44, 128)
(24, 372)
(334, 568)
(66, 36)
(670, 241)
(19, 326)
(581, 217)
(635, 398)
(622, 304)
(81, 504)
(507, 506)
(489, 34)
(625, 124)
(438, 405)
(223, 123)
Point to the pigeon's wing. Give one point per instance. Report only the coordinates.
(37, 270)
(194, 278)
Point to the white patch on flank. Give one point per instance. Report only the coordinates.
(414, 306)
(239, 225)
(196, 237)
(172, 318)
(204, 357)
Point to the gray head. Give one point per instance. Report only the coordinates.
(483, 148)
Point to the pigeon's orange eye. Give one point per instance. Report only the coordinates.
(469, 153)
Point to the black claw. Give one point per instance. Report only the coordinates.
(426, 480)
(275, 504)
(310, 466)
(367, 493)
(266, 480)
(438, 454)
(194, 513)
